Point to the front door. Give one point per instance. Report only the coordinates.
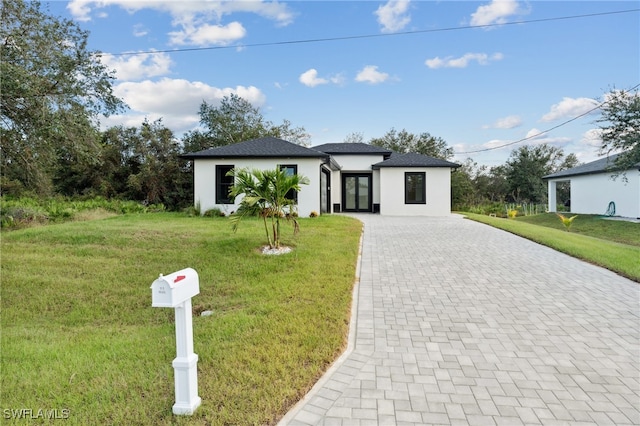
(356, 192)
(325, 191)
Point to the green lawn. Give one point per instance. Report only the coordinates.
(614, 245)
(591, 225)
(79, 332)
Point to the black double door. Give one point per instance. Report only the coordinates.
(356, 192)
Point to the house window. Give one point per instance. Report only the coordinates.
(414, 188)
(223, 184)
(290, 170)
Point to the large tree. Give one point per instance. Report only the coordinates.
(528, 164)
(53, 89)
(143, 164)
(620, 127)
(237, 120)
(354, 137)
(424, 143)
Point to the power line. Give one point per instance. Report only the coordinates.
(365, 36)
(564, 123)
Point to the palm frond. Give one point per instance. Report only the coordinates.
(264, 193)
(566, 221)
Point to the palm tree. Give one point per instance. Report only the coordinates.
(265, 195)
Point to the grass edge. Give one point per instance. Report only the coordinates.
(578, 253)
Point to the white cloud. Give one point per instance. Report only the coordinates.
(509, 122)
(206, 35)
(495, 12)
(463, 61)
(138, 66)
(338, 79)
(181, 10)
(461, 147)
(392, 16)
(80, 10)
(139, 30)
(177, 124)
(495, 144)
(532, 137)
(310, 78)
(592, 138)
(193, 19)
(534, 134)
(176, 101)
(569, 108)
(538, 137)
(370, 74)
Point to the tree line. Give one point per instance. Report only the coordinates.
(53, 91)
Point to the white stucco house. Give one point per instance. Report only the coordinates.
(594, 188)
(344, 177)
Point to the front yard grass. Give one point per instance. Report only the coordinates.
(79, 332)
(614, 245)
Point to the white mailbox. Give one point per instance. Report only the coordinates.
(169, 291)
(175, 291)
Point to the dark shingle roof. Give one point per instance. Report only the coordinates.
(351, 148)
(262, 147)
(602, 165)
(413, 159)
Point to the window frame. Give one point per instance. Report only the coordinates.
(292, 194)
(223, 182)
(423, 190)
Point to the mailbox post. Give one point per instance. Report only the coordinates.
(175, 291)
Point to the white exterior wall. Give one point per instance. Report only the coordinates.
(336, 188)
(591, 194)
(357, 163)
(204, 172)
(438, 192)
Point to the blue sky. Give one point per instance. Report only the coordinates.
(420, 67)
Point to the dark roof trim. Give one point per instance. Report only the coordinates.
(413, 159)
(268, 147)
(602, 165)
(351, 149)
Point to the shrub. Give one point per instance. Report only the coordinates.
(214, 212)
(265, 193)
(17, 217)
(314, 214)
(566, 221)
(26, 211)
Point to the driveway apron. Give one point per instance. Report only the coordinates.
(456, 322)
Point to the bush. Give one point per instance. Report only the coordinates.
(27, 211)
(314, 214)
(487, 208)
(19, 217)
(215, 212)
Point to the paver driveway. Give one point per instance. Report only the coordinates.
(460, 323)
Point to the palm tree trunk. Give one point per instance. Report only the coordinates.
(276, 237)
(266, 230)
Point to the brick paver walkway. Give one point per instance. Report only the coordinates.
(460, 323)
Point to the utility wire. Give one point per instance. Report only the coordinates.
(364, 36)
(564, 123)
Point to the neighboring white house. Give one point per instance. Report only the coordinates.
(343, 177)
(594, 186)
